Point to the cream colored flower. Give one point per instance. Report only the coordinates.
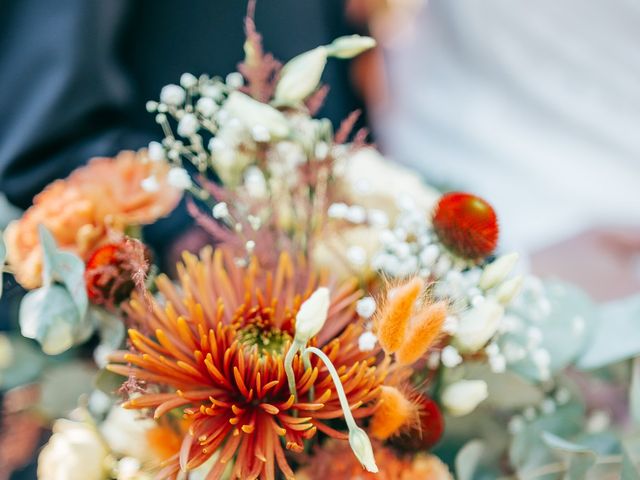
(478, 325)
(74, 452)
(462, 397)
(126, 433)
(377, 183)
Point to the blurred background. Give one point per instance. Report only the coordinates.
(534, 106)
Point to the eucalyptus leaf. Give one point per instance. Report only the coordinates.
(65, 268)
(580, 458)
(529, 451)
(468, 459)
(49, 315)
(26, 364)
(564, 325)
(634, 392)
(617, 326)
(630, 468)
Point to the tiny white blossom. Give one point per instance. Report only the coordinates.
(450, 356)
(156, 152)
(255, 182)
(206, 106)
(542, 358)
(548, 406)
(378, 218)
(429, 255)
(366, 307)
(151, 106)
(450, 325)
(356, 214)
(188, 80)
(172, 95)
(234, 80)
(321, 150)
(562, 396)
(516, 424)
(338, 210)
(150, 184)
(220, 210)
(367, 341)
(179, 178)
(188, 125)
(260, 133)
(217, 145)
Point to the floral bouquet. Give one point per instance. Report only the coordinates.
(343, 321)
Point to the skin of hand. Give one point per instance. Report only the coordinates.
(603, 261)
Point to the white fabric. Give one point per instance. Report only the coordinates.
(533, 105)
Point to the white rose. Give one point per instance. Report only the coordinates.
(74, 452)
(126, 433)
(478, 325)
(377, 183)
(462, 397)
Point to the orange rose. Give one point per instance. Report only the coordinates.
(95, 201)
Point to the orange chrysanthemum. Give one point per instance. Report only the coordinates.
(334, 462)
(81, 211)
(214, 349)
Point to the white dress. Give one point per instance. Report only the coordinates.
(533, 105)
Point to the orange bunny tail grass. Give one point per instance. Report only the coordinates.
(395, 412)
(395, 315)
(425, 328)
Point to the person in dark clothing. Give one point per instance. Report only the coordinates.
(75, 76)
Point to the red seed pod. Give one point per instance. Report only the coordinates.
(466, 224)
(425, 434)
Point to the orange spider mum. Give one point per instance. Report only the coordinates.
(216, 354)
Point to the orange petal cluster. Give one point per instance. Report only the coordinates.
(82, 210)
(213, 350)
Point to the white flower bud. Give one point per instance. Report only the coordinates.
(234, 80)
(450, 357)
(172, 95)
(462, 397)
(220, 210)
(497, 271)
(251, 113)
(509, 290)
(179, 178)
(350, 46)
(367, 341)
(312, 315)
(156, 152)
(255, 182)
(206, 106)
(300, 76)
(366, 307)
(188, 80)
(150, 184)
(361, 446)
(188, 125)
(478, 325)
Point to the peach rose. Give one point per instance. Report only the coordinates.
(82, 211)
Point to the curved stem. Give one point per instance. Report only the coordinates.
(344, 403)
